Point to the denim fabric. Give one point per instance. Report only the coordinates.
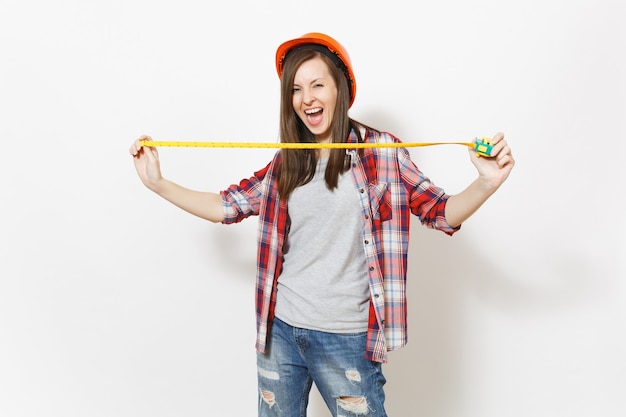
(350, 384)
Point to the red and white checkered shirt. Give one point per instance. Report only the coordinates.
(390, 189)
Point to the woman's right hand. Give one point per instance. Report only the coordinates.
(147, 163)
(203, 204)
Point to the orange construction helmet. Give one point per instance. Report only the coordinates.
(330, 47)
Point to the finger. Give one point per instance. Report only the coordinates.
(505, 157)
(500, 148)
(146, 138)
(497, 138)
(135, 148)
(141, 138)
(151, 153)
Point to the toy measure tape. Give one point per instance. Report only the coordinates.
(482, 146)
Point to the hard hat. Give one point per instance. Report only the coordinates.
(332, 48)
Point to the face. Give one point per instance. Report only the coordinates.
(315, 97)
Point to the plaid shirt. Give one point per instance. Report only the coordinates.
(390, 187)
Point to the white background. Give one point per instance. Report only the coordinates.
(115, 303)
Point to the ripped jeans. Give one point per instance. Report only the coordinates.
(350, 384)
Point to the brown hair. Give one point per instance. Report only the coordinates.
(298, 165)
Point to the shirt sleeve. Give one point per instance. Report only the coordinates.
(240, 201)
(426, 200)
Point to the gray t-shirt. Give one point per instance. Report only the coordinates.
(324, 283)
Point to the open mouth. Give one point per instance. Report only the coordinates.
(314, 116)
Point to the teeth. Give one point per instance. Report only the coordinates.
(313, 111)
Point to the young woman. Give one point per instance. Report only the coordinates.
(333, 235)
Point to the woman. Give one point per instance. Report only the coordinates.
(333, 235)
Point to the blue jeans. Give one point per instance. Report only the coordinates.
(350, 384)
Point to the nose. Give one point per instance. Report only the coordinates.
(307, 96)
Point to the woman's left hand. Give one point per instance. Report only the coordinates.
(496, 168)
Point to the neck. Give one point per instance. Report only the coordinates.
(326, 140)
(323, 153)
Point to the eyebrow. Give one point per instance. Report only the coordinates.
(313, 80)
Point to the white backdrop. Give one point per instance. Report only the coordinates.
(114, 303)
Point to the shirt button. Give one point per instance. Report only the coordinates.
(367, 242)
(362, 190)
(367, 217)
(371, 268)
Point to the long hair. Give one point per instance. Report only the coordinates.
(298, 165)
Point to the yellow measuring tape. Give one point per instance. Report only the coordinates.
(481, 146)
(295, 145)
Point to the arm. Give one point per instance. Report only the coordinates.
(492, 172)
(205, 205)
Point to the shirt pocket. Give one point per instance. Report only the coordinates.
(380, 201)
